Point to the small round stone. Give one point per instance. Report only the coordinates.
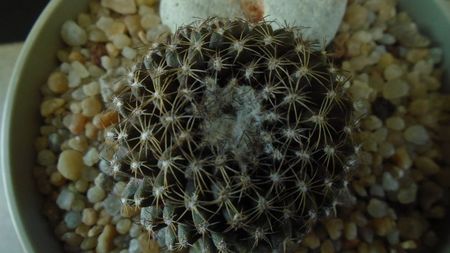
(416, 134)
(49, 106)
(121, 41)
(396, 88)
(95, 194)
(389, 182)
(57, 82)
(65, 199)
(408, 194)
(46, 158)
(89, 216)
(70, 164)
(334, 228)
(377, 208)
(91, 106)
(123, 226)
(72, 34)
(395, 123)
(72, 219)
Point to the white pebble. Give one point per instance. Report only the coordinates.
(108, 63)
(74, 79)
(389, 182)
(70, 164)
(129, 53)
(104, 23)
(416, 134)
(121, 40)
(73, 34)
(123, 226)
(80, 69)
(91, 89)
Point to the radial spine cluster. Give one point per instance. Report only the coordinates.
(233, 136)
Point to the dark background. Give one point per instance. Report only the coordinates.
(17, 17)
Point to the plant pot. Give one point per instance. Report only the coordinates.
(21, 118)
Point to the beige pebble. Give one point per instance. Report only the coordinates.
(84, 20)
(77, 123)
(57, 179)
(70, 164)
(89, 216)
(91, 106)
(334, 228)
(76, 56)
(327, 247)
(91, 89)
(121, 6)
(149, 21)
(90, 131)
(392, 72)
(383, 225)
(148, 245)
(356, 16)
(147, 2)
(407, 194)
(416, 134)
(350, 231)
(57, 82)
(395, 123)
(123, 226)
(426, 165)
(51, 105)
(133, 23)
(372, 123)
(402, 158)
(112, 50)
(95, 230)
(120, 40)
(78, 143)
(105, 240)
(311, 241)
(396, 88)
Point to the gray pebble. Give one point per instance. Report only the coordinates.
(65, 199)
(72, 219)
(135, 246)
(112, 205)
(95, 194)
(389, 182)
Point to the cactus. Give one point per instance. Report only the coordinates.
(234, 137)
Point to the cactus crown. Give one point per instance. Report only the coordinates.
(235, 137)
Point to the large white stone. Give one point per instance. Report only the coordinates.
(175, 13)
(320, 18)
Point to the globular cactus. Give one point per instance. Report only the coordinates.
(235, 137)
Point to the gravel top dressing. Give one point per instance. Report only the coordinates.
(400, 190)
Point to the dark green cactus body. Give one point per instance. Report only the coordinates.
(236, 137)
